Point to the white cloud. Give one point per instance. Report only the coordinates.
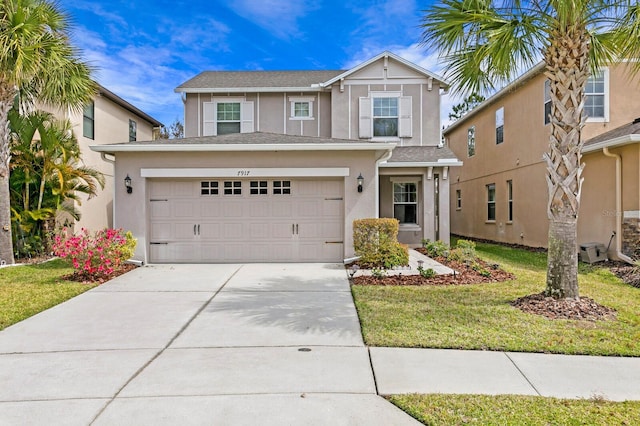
(279, 17)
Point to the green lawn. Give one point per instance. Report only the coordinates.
(27, 290)
(515, 410)
(480, 316)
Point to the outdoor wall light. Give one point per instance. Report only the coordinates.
(360, 182)
(127, 184)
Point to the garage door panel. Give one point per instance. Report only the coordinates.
(210, 209)
(161, 231)
(210, 231)
(159, 209)
(232, 208)
(184, 230)
(259, 230)
(257, 208)
(282, 230)
(232, 231)
(210, 252)
(332, 209)
(183, 209)
(282, 208)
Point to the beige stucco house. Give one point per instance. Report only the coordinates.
(500, 193)
(107, 118)
(276, 165)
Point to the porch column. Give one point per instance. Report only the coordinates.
(445, 205)
(428, 225)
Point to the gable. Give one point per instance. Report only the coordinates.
(389, 69)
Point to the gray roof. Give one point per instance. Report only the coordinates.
(421, 154)
(256, 138)
(253, 79)
(632, 128)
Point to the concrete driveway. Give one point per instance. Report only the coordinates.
(196, 344)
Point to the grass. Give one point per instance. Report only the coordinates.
(480, 316)
(515, 410)
(27, 290)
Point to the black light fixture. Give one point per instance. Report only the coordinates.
(127, 184)
(360, 182)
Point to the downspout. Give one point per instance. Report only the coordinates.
(376, 178)
(619, 213)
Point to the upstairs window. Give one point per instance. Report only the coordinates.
(595, 96)
(500, 126)
(301, 107)
(509, 201)
(225, 116)
(133, 131)
(405, 202)
(471, 141)
(458, 199)
(228, 117)
(88, 120)
(385, 117)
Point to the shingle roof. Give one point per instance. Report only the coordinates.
(256, 138)
(421, 154)
(252, 79)
(624, 130)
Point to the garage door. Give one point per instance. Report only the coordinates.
(227, 220)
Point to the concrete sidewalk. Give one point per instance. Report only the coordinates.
(250, 344)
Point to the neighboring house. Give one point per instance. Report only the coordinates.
(107, 118)
(276, 165)
(501, 192)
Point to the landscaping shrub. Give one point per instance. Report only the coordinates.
(436, 248)
(464, 252)
(376, 242)
(95, 255)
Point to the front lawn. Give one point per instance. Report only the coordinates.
(27, 290)
(516, 410)
(480, 316)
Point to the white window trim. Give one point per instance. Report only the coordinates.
(372, 96)
(309, 99)
(604, 119)
(415, 181)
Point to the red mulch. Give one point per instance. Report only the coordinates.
(86, 279)
(571, 309)
(464, 275)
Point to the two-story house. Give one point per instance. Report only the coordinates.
(107, 118)
(501, 194)
(276, 165)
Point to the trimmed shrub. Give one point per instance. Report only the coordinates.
(376, 242)
(436, 248)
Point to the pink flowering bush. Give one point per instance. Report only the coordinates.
(97, 255)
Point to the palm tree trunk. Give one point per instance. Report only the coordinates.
(567, 66)
(6, 244)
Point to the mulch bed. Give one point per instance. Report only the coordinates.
(85, 279)
(628, 273)
(464, 275)
(585, 309)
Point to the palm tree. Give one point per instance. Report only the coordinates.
(38, 62)
(46, 173)
(483, 43)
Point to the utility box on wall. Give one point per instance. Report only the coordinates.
(593, 252)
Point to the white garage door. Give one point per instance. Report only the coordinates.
(263, 220)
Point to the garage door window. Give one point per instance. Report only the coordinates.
(209, 188)
(282, 187)
(233, 187)
(258, 187)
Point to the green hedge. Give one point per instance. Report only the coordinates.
(376, 242)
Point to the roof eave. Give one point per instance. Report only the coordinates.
(313, 88)
(439, 163)
(126, 105)
(611, 143)
(169, 147)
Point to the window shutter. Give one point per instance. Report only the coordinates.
(405, 126)
(365, 126)
(246, 117)
(208, 119)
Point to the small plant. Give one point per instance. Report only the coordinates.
(379, 273)
(97, 255)
(436, 248)
(426, 273)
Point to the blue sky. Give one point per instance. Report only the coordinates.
(143, 49)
